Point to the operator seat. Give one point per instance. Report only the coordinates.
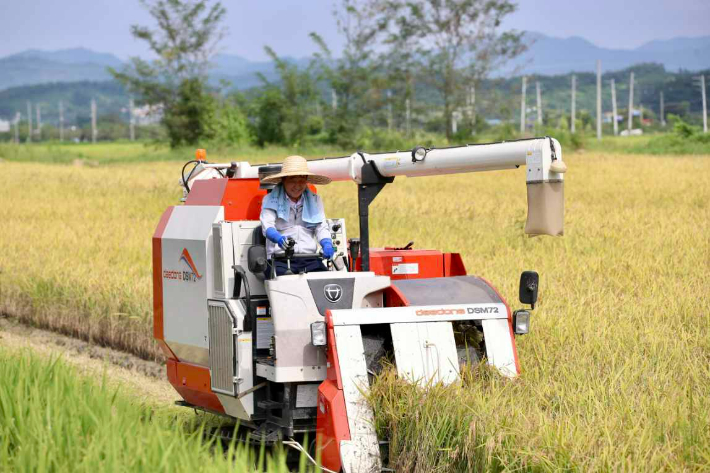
(256, 256)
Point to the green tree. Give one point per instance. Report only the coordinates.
(230, 126)
(454, 42)
(186, 38)
(269, 112)
(351, 77)
(298, 94)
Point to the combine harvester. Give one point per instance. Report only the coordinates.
(294, 354)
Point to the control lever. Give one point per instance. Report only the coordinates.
(354, 244)
(289, 251)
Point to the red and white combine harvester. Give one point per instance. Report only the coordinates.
(294, 354)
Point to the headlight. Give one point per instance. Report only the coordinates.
(521, 322)
(318, 336)
(418, 154)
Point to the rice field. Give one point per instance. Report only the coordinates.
(616, 370)
(53, 419)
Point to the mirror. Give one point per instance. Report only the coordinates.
(529, 282)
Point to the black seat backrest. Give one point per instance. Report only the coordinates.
(256, 255)
(258, 238)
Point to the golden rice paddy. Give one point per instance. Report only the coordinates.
(616, 370)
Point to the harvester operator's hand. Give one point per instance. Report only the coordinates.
(328, 250)
(273, 235)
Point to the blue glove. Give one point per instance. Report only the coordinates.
(327, 245)
(273, 235)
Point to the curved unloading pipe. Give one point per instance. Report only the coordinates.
(542, 158)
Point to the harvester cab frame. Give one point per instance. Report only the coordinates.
(294, 354)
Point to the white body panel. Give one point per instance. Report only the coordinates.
(499, 346)
(222, 259)
(339, 237)
(186, 289)
(241, 405)
(425, 352)
(362, 452)
(293, 309)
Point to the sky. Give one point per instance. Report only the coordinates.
(104, 25)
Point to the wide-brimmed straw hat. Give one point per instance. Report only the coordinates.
(296, 166)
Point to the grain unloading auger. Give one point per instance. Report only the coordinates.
(292, 354)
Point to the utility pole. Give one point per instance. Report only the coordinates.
(407, 116)
(522, 107)
(613, 107)
(93, 121)
(574, 104)
(132, 123)
(29, 122)
(334, 99)
(472, 102)
(389, 110)
(39, 123)
(631, 101)
(61, 121)
(454, 122)
(663, 114)
(18, 116)
(705, 105)
(599, 99)
(539, 103)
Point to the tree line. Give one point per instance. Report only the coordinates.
(393, 48)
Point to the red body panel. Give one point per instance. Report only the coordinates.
(158, 284)
(453, 265)
(241, 198)
(393, 297)
(332, 418)
(332, 424)
(431, 263)
(194, 384)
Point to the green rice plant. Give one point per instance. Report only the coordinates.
(52, 419)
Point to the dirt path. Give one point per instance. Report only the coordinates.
(137, 377)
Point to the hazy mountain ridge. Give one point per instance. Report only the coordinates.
(70, 56)
(546, 55)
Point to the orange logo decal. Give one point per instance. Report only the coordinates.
(441, 311)
(188, 259)
(190, 275)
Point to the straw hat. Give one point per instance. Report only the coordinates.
(296, 166)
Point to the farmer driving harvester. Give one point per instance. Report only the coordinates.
(292, 217)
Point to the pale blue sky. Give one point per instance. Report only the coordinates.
(103, 25)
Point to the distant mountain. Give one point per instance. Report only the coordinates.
(68, 65)
(548, 55)
(676, 44)
(34, 67)
(244, 74)
(545, 55)
(18, 71)
(71, 56)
